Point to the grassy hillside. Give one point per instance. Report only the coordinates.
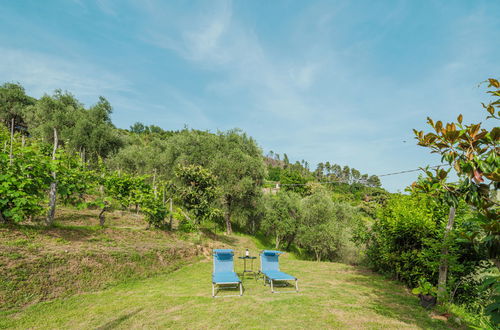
(332, 295)
(77, 255)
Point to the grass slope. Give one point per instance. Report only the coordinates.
(77, 255)
(332, 295)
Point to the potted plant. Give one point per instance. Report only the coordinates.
(426, 292)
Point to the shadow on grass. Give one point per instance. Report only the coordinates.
(72, 233)
(228, 290)
(263, 242)
(58, 231)
(390, 301)
(220, 238)
(114, 323)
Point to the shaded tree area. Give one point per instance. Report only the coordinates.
(13, 104)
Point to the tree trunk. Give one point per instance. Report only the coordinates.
(53, 187)
(318, 256)
(443, 266)
(2, 219)
(229, 229)
(290, 241)
(497, 263)
(277, 242)
(102, 217)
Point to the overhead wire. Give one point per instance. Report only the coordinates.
(365, 181)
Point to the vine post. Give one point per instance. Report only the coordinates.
(53, 186)
(11, 155)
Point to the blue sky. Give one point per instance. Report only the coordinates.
(338, 81)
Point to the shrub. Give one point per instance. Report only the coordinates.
(406, 239)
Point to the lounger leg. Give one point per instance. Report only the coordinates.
(272, 289)
(213, 290)
(241, 289)
(296, 285)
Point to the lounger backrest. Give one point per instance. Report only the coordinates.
(269, 260)
(223, 260)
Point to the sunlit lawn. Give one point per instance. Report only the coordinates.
(331, 295)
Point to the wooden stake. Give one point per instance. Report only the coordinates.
(53, 186)
(171, 214)
(11, 141)
(154, 182)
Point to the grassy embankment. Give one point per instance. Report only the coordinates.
(122, 276)
(77, 255)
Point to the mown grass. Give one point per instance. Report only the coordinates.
(331, 295)
(78, 275)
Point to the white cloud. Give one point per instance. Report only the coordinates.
(304, 76)
(324, 93)
(41, 73)
(107, 7)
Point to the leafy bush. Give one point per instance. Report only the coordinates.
(197, 189)
(425, 288)
(327, 227)
(23, 180)
(406, 239)
(283, 214)
(153, 209)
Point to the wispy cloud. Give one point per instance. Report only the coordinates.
(325, 80)
(42, 73)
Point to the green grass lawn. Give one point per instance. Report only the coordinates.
(332, 295)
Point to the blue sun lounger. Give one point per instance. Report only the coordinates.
(223, 275)
(270, 268)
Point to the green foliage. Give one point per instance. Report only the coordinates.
(153, 209)
(283, 216)
(425, 288)
(493, 308)
(74, 178)
(232, 157)
(59, 111)
(327, 227)
(472, 152)
(406, 239)
(125, 188)
(93, 134)
(240, 170)
(345, 175)
(13, 102)
(186, 226)
(134, 190)
(274, 173)
(89, 132)
(24, 181)
(291, 180)
(197, 189)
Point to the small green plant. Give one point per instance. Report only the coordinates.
(425, 288)
(493, 309)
